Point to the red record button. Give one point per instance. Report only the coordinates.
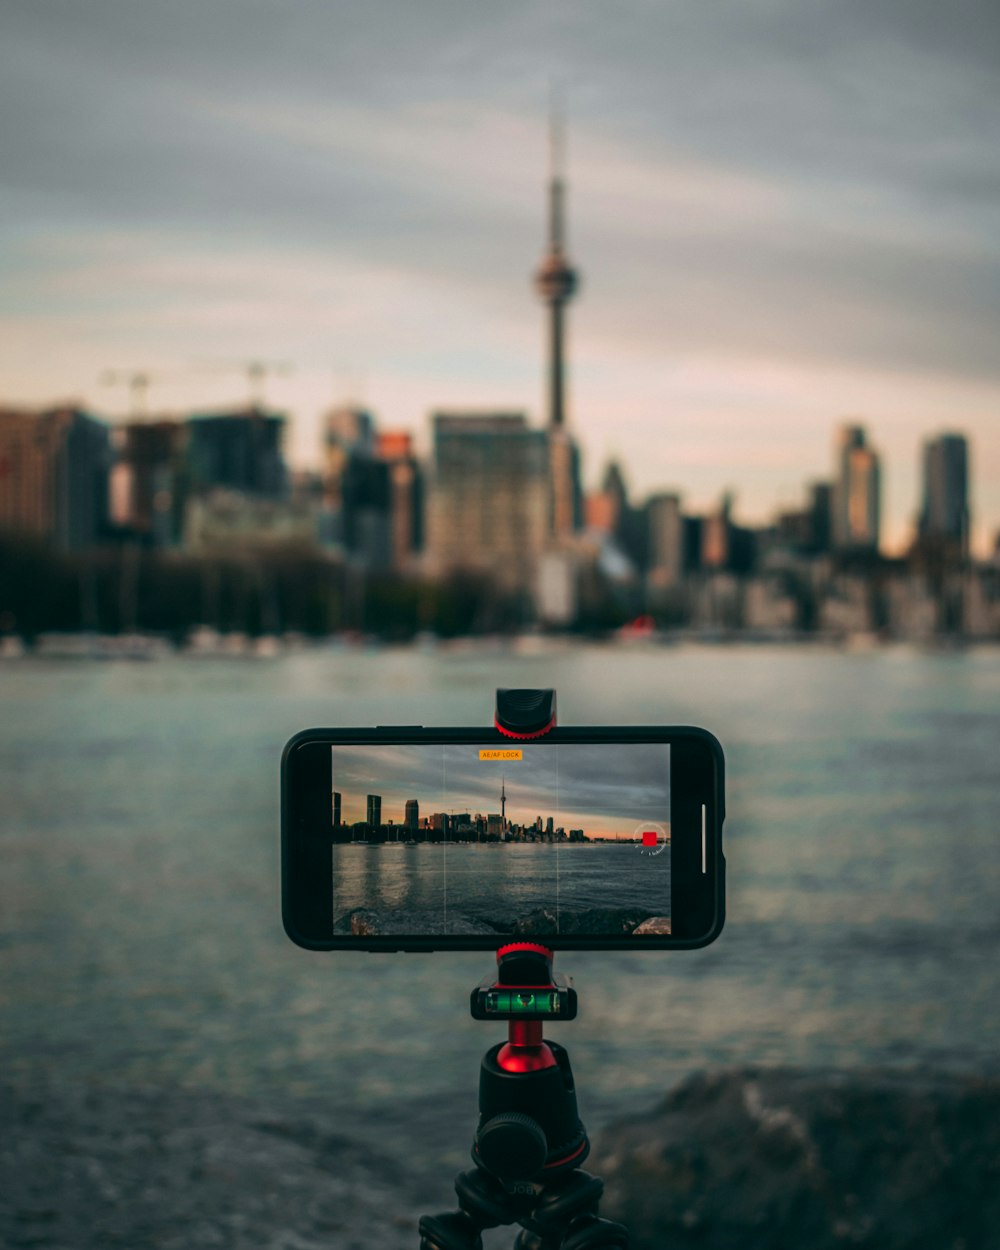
(651, 838)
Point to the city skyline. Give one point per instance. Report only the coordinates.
(576, 785)
(744, 294)
(160, 472)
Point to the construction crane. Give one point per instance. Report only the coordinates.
(256, 372)
(138, 382)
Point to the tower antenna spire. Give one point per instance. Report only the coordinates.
(555, 278)
(557, 161)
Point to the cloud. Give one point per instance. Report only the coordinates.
(770, 204)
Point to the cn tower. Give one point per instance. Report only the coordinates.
(555, 281)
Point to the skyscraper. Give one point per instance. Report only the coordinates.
(147, 479)
(241, 451)
(488, 501)
(666, 540)
(556, 282)
(348, 438)
(374, 813)
(856, 492)
(54, 476)
(944, 515)
(395, 450)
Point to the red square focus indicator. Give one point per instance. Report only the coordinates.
(649, 837)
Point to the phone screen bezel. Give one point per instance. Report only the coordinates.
(697, 863)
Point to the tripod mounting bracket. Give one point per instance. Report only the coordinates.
(524, 988)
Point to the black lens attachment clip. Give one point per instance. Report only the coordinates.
(525, 713)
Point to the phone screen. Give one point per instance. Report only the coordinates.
(536, 840)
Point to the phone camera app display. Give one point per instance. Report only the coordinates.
(532, 840)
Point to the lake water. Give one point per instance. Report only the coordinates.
(139, 899)
(492, 888)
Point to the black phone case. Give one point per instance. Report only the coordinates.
(407, 734)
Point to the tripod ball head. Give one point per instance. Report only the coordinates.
(529, 1126)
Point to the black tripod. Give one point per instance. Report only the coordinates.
(530, 1142)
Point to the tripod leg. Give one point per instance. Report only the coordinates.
(587, 1232)
(484, 1203)
(565, 1218)
(452, 1231)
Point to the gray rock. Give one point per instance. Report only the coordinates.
(369, 922)
(655, 924)
(90, 1167)
(772, 1159)
(595, 920)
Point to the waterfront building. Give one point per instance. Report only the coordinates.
(856, 493)
(219, 520)
(356, 488)
(239, 451)
(488, 506)
(912, 611)
(336, 809)
(666, 541)
(768, 608)
(346, 428)
(347, 431)
(373, 816)
(804, 531)
(981, 604)
(725, 546)
(366, 526)
(716, 534)
(54, 468)
(820, 512)
(623, 528)
(147, 480)
(845, 607)
(944, 514)
(372, 494)
(716, 603)
(411, 817)
(405, 479)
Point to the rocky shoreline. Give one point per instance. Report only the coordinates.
(541, 922)
(747, 1159)
(763, 1159)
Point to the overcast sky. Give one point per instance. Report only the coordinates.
(601, 788)
(785, 213)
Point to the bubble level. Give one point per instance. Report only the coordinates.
(528, 1002)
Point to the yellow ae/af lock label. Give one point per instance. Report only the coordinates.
(500, 753)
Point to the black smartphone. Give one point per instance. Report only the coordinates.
(412, 838)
